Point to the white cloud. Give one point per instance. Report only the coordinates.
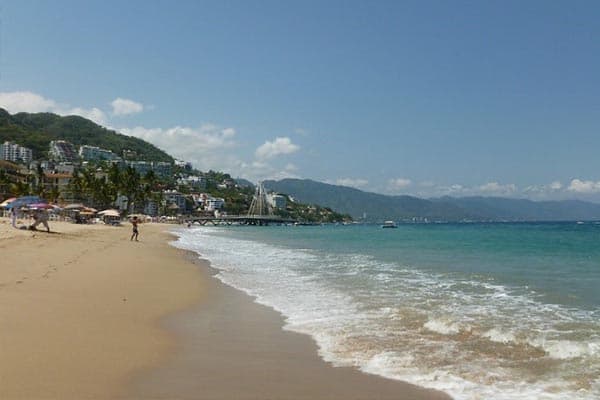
(291, 168)
(496, 188)
(281, 145)
(543, 191)
(31, 102)
(584, 187)
(398, 184)
(15, 102)
(125, 107)
(556, 185)
(351, 182)
(206, 147)
(260, 170)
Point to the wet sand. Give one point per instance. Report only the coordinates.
(233, 348)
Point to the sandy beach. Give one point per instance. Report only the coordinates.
(87, 314)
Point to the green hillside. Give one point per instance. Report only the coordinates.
(37, 130)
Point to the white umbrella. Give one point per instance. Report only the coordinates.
(110, 213)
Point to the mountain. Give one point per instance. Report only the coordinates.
(378, 207)
(35, 131)
(503, 209)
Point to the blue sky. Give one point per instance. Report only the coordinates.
(426, 97)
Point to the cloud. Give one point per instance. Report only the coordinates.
(542, 191)
(25, 101)
(398, 184)
(206, 147)
(496, 188)
(584, 187)
(125, 107)
(556, 185)
(281, 145)
(351, 182)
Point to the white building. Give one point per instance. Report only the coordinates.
(93, 153)
(196, 182)
(276, 200)
(10, 151)
(213, 203)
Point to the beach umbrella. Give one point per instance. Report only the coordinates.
(7, 202)
(24, 201)
(39, 205)
(110, 213)
(73, 206)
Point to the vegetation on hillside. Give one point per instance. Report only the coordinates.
(35, 131)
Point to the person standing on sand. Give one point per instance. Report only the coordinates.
(13, 216)
(40, 217)
(134, 222)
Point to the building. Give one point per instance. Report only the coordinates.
(213, 203)
(60, 181)
(174, 197)
(195, 182)
(93, 153)
(61, 150)
(276, 201)
(161, 169)
(13, 152)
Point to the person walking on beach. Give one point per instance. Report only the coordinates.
(13, 216)
(40, 217)
(134, 223)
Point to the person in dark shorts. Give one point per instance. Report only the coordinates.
(134, 222)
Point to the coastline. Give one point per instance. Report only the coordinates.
(85, 313)
(232, 347)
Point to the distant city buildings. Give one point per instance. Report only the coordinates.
(161, 169)
(276, 201)
(61, 151)
(13, 152)
(93, 153)
(195, 182)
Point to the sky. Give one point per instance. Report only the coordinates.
(427, 98)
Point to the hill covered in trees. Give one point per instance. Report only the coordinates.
(36, 130)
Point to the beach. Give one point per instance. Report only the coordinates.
(86, 313)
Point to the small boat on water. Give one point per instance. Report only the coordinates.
(389, 224)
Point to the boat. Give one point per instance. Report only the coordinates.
(389, 224)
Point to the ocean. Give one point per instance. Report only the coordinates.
(480, 311)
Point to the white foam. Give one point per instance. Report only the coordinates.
(371, 314)
(500, 336)
(443, 327)
(566, 349)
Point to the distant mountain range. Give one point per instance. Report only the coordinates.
(36, 130)
(377, 207)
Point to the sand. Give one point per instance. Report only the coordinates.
(87, 314)
(79, 308)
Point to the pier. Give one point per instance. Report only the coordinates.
(260, 214)
(259, 220)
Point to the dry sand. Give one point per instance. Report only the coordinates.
(87, 314)
(79, 308)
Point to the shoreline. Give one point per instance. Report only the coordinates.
(85, 313)
(232, 347)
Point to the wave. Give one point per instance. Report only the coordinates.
(472, 338)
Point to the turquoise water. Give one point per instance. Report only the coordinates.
(482, 311)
